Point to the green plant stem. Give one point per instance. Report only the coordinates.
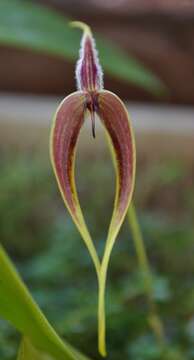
(154, 319)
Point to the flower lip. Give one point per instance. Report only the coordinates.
(91, 104)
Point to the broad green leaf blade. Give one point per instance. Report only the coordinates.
(115, 118)
(67, 123)
(27, 25)
(24, 24)
(18, 307)
(28, 352)
(127, 68)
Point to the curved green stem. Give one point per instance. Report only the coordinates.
(101, 317)
(101, 296)
(154, 319)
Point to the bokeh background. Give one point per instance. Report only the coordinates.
(148, 51)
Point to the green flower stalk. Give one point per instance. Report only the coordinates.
(91, 98)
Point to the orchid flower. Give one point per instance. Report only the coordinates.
(91, 98)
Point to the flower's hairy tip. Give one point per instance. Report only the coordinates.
(89, 75)
(81, 25)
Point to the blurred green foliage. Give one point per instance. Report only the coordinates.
(48, 251)
(25, 24)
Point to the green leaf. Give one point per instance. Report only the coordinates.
(128, 68)
(26, 25)
(28, 352)
(18, 307)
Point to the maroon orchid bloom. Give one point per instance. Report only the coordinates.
(93, 99)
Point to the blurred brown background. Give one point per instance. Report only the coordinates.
(159, 33)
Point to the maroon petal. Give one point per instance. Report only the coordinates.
(115, 118)
(66, 127)
(67, 123)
